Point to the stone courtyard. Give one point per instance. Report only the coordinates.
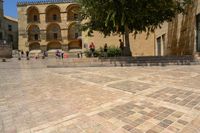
(38, 99)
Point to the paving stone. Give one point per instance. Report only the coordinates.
(80, 100)
(130, 86)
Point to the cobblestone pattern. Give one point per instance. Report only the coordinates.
(36, 99)
(180, 97)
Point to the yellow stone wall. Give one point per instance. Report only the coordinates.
(139, 46)
(181, 32)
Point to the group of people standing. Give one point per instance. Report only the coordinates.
(60, 54)
(105, 48)
(21, 54)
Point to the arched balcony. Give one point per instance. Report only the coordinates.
(53, 45)
(74, 31)
(34, 46)
(33, 33)
(53, 32)
(73, 12)
(75, 44)
(33, 15)
(53, 14)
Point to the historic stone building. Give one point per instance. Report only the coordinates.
(54, 24)
(48, 25)
(182, 35)
(8, 29)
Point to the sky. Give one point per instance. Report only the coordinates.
(10, 8)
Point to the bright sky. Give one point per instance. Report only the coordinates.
(10, 7)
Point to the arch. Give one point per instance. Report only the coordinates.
(74, 31)
(54, 45)
(73, 12)
(33, 33)
(77, 44)
(34, 46)
(53, 32)
(33, 14)
(53, 13)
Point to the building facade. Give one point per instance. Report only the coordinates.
(47, 25)
(182, 35)
(8, 29)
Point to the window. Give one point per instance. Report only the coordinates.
(75, 16)
(198, 32)
(54, 17)
(76, 35)
(1, 36)
(163, 40)
(0, 24)
(10, 38)
(159, 47)
(36, 37)
(55, 35)
(10, 27)
(35, 18)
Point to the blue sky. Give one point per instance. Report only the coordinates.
(10, 7)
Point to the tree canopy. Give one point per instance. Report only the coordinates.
(111, 16)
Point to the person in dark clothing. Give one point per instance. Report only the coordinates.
(62, 54)
(105, 50)
(92, 49)
(121, 46)
(22, 53)
(27, 55)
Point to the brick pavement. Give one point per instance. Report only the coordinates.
(36, 99)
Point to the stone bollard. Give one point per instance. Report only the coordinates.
(3, 60)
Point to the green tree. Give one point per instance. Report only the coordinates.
(128, 16)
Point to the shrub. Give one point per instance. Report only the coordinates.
(113, 52)
(88, 53)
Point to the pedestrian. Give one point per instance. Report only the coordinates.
(121, 46)
(19, 55)
(92, 49)
(27, 55)
(81, 54)
(105, 50)
(62, 54)
(22, 53)
(57, 54)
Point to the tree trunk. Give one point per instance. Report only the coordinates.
(127, 43)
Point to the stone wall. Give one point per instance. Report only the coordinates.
(140, 46)
(5, 52)
(181, 32)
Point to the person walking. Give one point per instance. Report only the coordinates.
(92, 49)
(27, 55)
(62, 54)
(105, 50)
(19, 55)
(121, 46)
(22, 53)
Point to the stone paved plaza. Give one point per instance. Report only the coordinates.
(37, 99)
